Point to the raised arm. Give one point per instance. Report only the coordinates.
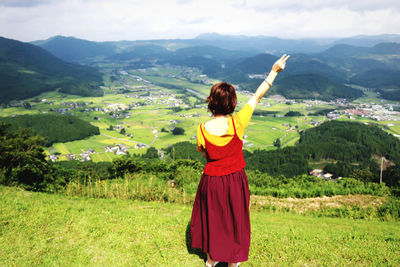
(278, 66)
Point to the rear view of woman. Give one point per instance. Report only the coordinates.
(220, 223)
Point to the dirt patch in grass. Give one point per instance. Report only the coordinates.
(302, 205)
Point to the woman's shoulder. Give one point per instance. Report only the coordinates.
(243, 117)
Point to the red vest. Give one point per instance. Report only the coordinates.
(223, 160)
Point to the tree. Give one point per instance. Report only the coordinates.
(125, 165)
(277, 142)
(22, 159)
(151, 153)
(364, 175)
(391, 176)
(27, 105)
(293, 114)
(122, 131)
(178, 131)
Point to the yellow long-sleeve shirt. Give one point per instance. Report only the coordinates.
(241, 119)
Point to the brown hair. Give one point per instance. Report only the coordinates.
(222, 99)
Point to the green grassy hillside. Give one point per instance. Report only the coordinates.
(112, 232)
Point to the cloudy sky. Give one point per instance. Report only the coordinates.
(106, 20)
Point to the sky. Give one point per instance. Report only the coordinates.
(114, 20)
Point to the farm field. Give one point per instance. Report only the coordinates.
(104, 232)
(149, 103)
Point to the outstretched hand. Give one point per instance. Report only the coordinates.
(280, 64)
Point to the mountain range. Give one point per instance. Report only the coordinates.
(254, 44)
(318, 68)
(368, 61)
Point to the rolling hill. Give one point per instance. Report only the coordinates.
(27, 70)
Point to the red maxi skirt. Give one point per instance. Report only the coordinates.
(220, 223)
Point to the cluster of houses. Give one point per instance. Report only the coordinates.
(188, 115)
(164, 99)
(116, 107)
(118, 149)
(372, 111)
(84, 156)
(161, 98)
(323, 175)
(341, 102)
(333, 115)
(69, 106)
(53, 157)
(141, 145)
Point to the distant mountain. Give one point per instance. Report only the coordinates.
(368, 40)
(306, 86)
(212, 52)
(314, 86)
(260, 63)
(305, 77)
(376, 67)
(378, 78)
(141, 52)
(385, 81)
(27, 70)
(76, 50)
(386, 48)
(264, 44)
(276, 46)
(343, 51)
(210, 59)
(347, 51)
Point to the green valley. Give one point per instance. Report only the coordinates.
(141, 107)
(119, 158)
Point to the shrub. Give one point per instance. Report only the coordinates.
(178, 131)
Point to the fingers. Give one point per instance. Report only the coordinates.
(284, 58)
(282, 61)
(280, 64)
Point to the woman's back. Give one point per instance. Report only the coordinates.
(219, 131)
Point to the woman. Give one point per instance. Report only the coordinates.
(220, 223)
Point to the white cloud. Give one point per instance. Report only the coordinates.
(23, 3)
(130, 20)
(356, 5)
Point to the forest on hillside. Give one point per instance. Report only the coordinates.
(53, 127)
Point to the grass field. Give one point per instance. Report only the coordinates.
(56, 230)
